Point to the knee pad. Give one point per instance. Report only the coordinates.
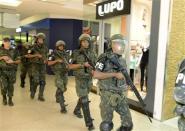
(42, 83)
(106, 126)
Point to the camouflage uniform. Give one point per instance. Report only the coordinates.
(25, 66)
(180, 96)
(61, 76)
(8, 74)
(112, 92)
(83, 79)
(38, 70)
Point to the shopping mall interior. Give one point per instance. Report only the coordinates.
(149, 28)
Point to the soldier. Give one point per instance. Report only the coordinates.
(113, 87)
(83, 78)
(8, 66)
(25, 63)
(38, 58)
(179, 95)
(59, 62)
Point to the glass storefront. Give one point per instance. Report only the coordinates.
(136, 28)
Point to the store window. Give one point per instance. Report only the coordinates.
(136, 29)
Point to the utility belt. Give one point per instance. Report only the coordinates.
(87, 77)
(8, 69)
(114, 97)
(118, 91)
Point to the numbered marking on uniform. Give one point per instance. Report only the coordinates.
(70, 60)
(50, 51)
(50, 58)
(99, 65)
(29, 51)
(180, 77)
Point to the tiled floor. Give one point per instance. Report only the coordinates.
(32, 115)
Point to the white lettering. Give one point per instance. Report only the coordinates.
(183, 81)
(120, 5)
(179, 77)
(100, 11)
(106, 8)
(110, 7)
(113, 6)
(99, 66)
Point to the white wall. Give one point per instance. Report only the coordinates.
(138, 32)
(115, 25)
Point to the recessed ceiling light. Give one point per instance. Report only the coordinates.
(92, 4)
(10, 2)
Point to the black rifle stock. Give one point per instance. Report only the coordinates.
(88, 60)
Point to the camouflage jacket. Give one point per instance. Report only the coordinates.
(39, 49)
(60, 67)
(13, 54)
(105, 65)
(23, 51)
(79, 58)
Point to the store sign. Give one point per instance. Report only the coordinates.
(112, 8)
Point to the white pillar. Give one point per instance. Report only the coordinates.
(161, 57)
(101, 37)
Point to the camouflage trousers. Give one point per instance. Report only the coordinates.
(7, 80)
(83, 86)
(61, 80)
(38, 77)
(25, 69)
(111, 102)
(181, 123)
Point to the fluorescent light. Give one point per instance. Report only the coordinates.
(18, 30)
(10, 2)
(92, 4)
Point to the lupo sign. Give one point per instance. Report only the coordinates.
(112, 8)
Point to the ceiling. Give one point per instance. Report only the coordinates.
(34, 7)
(32, 10)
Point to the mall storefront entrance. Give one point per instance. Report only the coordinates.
(141, 29)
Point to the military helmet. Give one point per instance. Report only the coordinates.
(118, 43)
(60, 42)
(41, 35)
(84, 37)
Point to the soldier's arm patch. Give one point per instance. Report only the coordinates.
(100, 64)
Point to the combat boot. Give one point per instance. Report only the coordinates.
(32, 95)
(4, 100)
(63, 109)
(22, 82)
(122, 128)
(77, 111)
(91, 127)
(41, 91)
(41, 98)
(62, 102)
(10, 102)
